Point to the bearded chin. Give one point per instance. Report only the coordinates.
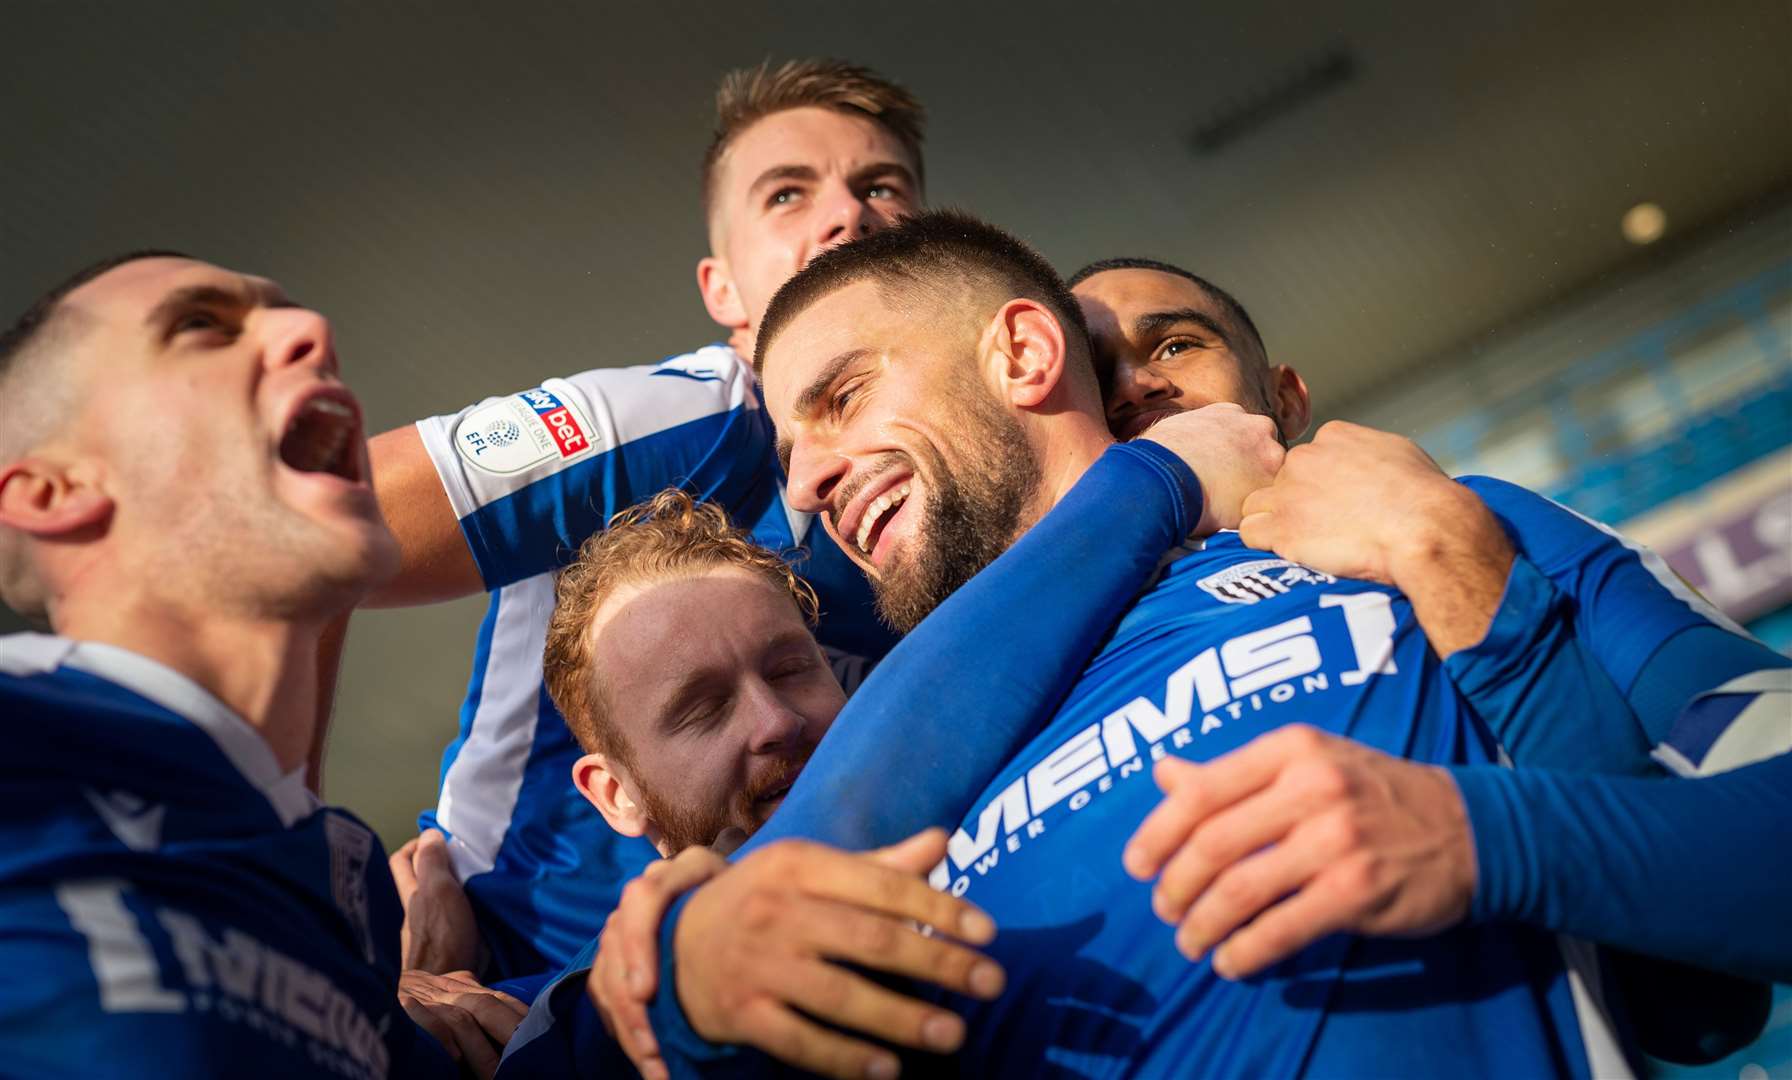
(964, 527)
(683, 827)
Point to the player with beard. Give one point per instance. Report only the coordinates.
(681, 656)
(805, 155)
(183, 487)
(859, 403)
(678, 653)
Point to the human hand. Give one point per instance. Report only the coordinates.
(1296, 835)
(762, 948)
(439, 933)
(472, 1021)
(1356, 502)
(626, 972)
(1233, 452)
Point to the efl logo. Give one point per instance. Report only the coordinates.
(559, 420)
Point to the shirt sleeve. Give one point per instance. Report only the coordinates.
(1583, 598)
(1540, 688)
(531, 475)
(563, 1036)
(1692, 870)
(1003, 649)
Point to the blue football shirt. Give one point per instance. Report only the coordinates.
(171, 903)
(530, 476)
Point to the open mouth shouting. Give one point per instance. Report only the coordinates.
(323, 436)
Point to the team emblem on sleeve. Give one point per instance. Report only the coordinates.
(515, 433)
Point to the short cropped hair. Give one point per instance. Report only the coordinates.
(670, 535)
(937, 252)
(25, 330)
(1235, 312)
(35, 406)
(748, 95)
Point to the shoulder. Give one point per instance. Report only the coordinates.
(1224, 571)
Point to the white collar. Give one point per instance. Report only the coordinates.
(241, 744)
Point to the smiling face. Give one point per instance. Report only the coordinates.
(919, 472)
(718, 691)
(789, 187)
(1169, 346)
(211, 407)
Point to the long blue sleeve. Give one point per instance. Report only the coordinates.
(967, 687)
(953, 700)
(1541, 689)
(1597, 645)
(1692, 870)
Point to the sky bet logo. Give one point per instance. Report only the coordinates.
(560, 422)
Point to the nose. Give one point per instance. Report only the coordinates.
(776, 726)
(815, 475)
(1137, 387)
(846, 215)
(297, 336)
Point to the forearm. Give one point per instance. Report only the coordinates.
(1452, 565)
(974, 679)
(1082, 564)
(1690, 870)
(1541, 691)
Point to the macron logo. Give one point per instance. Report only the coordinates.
(136, 823)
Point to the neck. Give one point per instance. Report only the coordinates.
(742, 341)
(1075, 444)
(265, 670)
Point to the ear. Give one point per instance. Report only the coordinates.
(1027, 345)
(603, 788)
(49, 499)
(716, 282)
(1288, 398)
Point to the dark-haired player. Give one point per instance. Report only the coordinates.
(855, 380)
(184, 488)
(1582, 651)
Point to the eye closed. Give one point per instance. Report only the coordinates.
(844, 396)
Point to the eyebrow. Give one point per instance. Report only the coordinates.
(216, 296)
(677, 703)
(1158, 321)
(783, 172)
(884, 168)
(697, 683)
(860, 175)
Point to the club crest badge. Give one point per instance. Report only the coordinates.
(1247, 583)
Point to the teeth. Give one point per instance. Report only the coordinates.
(884, 503)
(319, 438)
